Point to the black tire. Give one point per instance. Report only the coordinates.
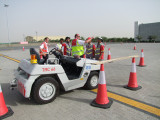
(45, 90)
(89, 84)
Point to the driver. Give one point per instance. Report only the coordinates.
(44, 49)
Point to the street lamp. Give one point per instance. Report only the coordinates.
(36, 36)
(7, 22)
(24, 39)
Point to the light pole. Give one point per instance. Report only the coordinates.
(24, 38)
(7, 23)
(36, 36)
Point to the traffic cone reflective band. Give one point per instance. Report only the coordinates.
(141, 62)
(102, 99)
(134, 47)
(132, 83)
(4, 110)
(109, 54)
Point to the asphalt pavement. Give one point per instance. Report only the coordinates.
(75, 104)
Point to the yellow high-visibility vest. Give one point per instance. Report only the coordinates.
(77, 49)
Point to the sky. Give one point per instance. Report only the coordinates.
(109, 18)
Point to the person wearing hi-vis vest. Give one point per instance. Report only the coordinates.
(78, 46)
(59, 45)
(90, 50)
(44, 49)
(66, 47)
(99, 53)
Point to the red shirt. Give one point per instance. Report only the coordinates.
(102, 52)
(65, 49)
(94, 48)
(74, 42)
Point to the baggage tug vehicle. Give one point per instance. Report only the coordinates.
(42, 81)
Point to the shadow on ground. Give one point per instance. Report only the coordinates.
(14, 98)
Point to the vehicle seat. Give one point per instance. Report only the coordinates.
(70, 60)
(33, 51)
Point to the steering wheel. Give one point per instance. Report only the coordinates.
(51, 51)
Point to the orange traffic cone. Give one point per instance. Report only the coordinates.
(4, 110)
(109, 54)
(134, 47)
(102, 100)
(23, 48)
(132, 84)
(141, 62)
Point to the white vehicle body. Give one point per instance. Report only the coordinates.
(28, 73)
(69, 73)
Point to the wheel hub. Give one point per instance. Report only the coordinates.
(94, 81)
(47, 91)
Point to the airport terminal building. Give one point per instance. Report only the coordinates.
(147, 32)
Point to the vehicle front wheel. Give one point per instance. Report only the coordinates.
(92, 81)
(45, 90)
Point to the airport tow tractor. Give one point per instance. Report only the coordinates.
(42, 81)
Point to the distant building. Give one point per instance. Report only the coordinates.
(135, 31)
(147, 32)
(41, 38)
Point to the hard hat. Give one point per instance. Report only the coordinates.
(89, 38)
(99, 38)
(77, 35)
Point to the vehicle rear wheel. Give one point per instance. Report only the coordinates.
(45, 90)
(92, 81)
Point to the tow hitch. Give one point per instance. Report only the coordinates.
(13, 84)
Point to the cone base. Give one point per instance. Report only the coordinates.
(105, 106)
(131, 88)
(8, 114)
(141, 65)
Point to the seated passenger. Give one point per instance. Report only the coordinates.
(59, 46)
(66, 47)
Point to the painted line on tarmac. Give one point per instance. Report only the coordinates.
(139, 105)
(10, 58)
